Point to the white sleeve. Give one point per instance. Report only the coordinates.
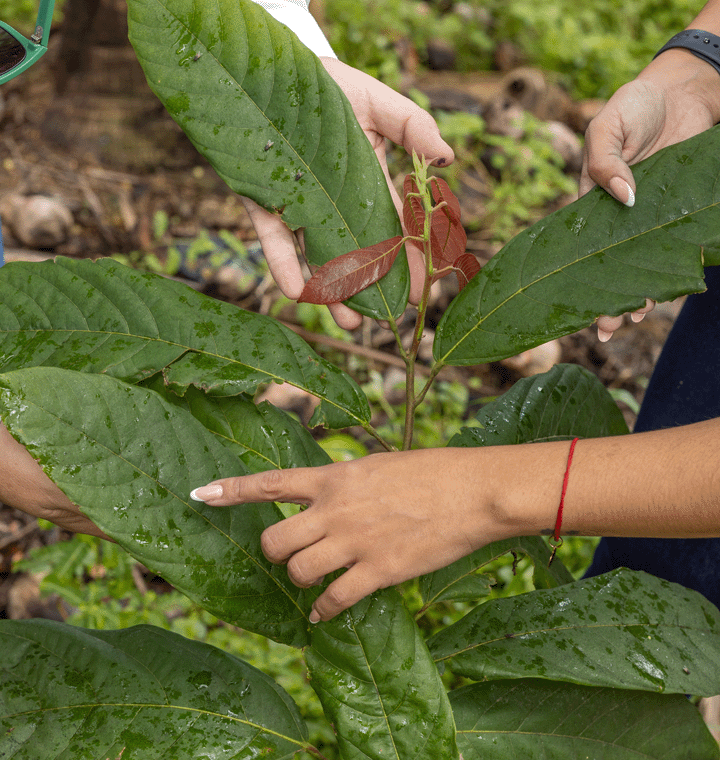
(296, 16)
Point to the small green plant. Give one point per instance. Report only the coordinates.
(130, 389)
(531, 177)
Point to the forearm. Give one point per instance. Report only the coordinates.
(658, 484)
(25, 486)
(708, 19)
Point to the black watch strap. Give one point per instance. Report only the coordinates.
(703, 44)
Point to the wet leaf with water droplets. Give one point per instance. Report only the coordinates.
(593, 257)
(140, 692)
(104, 317)
(532, 719)
(274, 125)
(134, 482)
(624, 629)
(379, 685)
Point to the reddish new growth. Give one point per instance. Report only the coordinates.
(443, 239)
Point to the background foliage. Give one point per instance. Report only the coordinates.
(596, 47)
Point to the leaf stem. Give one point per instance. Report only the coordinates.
(368, 428)
(434, 372)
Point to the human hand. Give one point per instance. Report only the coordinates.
(25, 486)
(676, 97)
(382, 113)
(386, 517)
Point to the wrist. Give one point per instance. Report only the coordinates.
(678, 70)
(522, 485)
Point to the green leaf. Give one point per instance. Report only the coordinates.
(262, 436)
(129, 460)
(105, 317)
(593, 257)
(462, 577)
(564, 403)
(139, 693)
(624, 629)
(274, 125)
(538, 720)
(378, 684)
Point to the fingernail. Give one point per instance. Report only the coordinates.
(620, 189)
(604, 336)
(207, 492)
(637, 317)
(313, 617)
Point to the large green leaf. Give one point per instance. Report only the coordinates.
(594, 257)
(274, 125)
(461, 580)
(624, 629)
(378, 684)
(141, 693)
(105, 317)
(566, 402)
(129, 460)
(262, 436)
(538, 720)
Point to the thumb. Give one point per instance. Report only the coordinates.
(603, 156)
(609, 171)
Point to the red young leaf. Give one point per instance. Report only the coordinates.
(347, 275)
(448, 239)
(441, 192)
(413, 211)
(466, 267)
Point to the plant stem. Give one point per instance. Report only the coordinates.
(434, 372)
(411, 403)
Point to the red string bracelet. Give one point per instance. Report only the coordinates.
(557, 537)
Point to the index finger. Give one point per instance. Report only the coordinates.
(278, 245)
(299, 486)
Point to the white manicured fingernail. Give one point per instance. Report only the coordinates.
(313, 617)
(207, 492)
(619, 188)
(604, 336)
(637, 317)
(630, 202)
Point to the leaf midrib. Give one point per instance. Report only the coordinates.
(159, 706)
